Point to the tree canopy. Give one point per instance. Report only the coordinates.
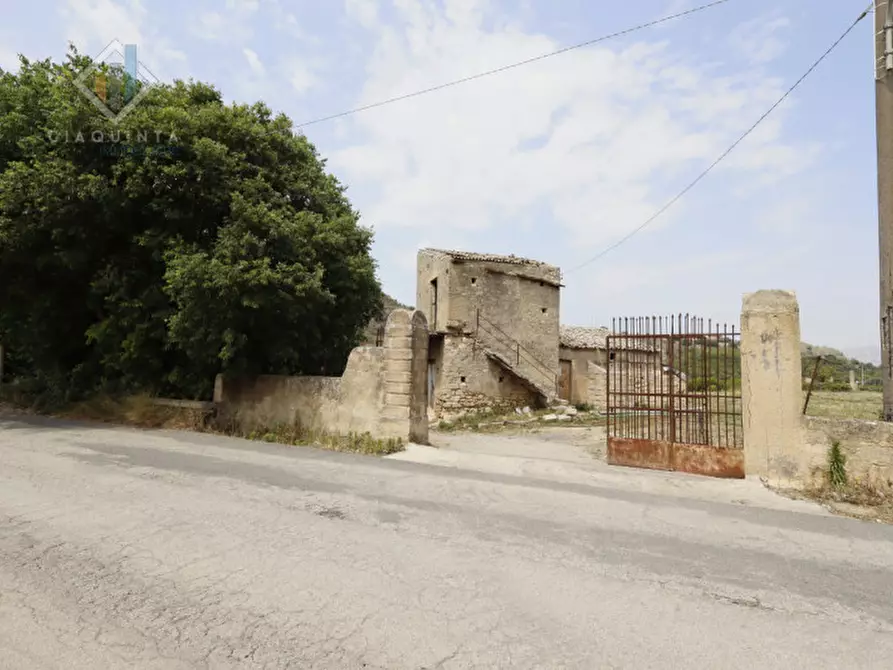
(192, 237)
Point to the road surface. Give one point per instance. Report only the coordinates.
(126, 549)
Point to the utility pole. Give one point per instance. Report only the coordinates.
(883, 65)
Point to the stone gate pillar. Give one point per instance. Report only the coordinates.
(771, 384)
(405, 375)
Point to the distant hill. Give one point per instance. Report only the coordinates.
(834, 369)
(389, 304)
(812, 351)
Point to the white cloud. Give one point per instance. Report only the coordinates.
(92, 24)
(232, 23)
(365, 12)
(300, 75)
(602, 135)
(9, 59)
(759, 40)
(254, 61)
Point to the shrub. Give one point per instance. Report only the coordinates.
(836, 465)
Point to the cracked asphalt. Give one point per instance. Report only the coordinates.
(129, 549)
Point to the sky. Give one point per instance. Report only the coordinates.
(559, 159)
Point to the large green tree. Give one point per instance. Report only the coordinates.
(190, 238)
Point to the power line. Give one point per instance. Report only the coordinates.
(512, 66)
(725, 153)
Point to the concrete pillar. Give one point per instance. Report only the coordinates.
(771, 384)
(853, 385)
(884, 126)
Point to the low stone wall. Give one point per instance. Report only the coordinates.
(867, 445)
(383, 390)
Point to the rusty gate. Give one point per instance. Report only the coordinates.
(674, 395)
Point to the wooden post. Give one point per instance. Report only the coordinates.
(815, 371)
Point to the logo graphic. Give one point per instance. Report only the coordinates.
(116, 81)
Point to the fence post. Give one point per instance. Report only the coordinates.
(771, 384)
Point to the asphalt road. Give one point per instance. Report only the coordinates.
(122, 549)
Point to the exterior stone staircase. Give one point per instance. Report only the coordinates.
(511, 355)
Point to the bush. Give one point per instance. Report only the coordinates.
(836, 465)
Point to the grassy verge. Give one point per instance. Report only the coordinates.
(859, 500)
(841, 494)
(867, 405)
(356, 443)
(499, 421)
(138, 411)
(142, 412)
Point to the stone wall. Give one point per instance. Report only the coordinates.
(430, 267)
(468, 381)
(383, 390)
(867, 445)
(596, 387)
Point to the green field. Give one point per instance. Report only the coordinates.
(846, 404)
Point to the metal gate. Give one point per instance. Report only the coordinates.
(674, 395)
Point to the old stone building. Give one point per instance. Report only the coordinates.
(494, 327)
(583, 360)
(633, 366)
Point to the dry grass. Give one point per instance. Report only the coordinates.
(355, 443)
(139, 411)
(837, 491)
(859, 500)
(846, 404)
(143, 412)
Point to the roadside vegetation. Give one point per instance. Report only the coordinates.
(838, 492)
(356, 443)
(142, 411)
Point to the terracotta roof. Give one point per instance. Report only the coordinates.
(588, 337)
(582, 337)
(488, 258)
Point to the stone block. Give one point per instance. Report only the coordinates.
(397, 400)
(398, 355)
(395, 412)
(400, 341)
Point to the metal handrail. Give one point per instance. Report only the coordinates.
(541, 367)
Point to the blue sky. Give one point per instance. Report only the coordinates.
(558, 159)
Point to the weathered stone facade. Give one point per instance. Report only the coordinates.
(494, 322)
(472, 381)
(585, 352)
